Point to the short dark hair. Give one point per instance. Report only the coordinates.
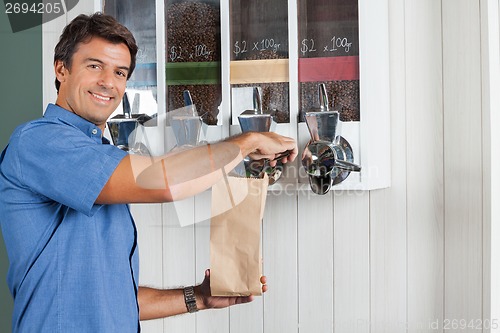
(83, 28)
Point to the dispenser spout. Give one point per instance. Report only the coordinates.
(186, 123)
(255, 120)
(328, 158)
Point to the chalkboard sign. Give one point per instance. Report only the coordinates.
(328, 28)
(192, 31)
(328, 43)
(259, 29)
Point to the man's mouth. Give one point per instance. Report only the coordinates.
(100, 97)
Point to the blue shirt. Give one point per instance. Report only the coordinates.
(73, 263)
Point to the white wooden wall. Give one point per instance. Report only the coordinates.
(490, 25)
(402, 259)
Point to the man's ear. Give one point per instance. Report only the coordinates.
(60, 70)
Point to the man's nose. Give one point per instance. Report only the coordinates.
(106, 79)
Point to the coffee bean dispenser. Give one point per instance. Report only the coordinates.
(328, 157)
(329, 54)
(221, 51)
(126, 129)
(193, 56)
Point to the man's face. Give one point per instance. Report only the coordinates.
(94, 85)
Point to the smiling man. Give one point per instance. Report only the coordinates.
(92, 84)
(70, 237)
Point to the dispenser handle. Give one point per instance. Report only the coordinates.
(347, 166)
(257, 100)
(126, 106)
(137, 103)
(323, 97)
(188, 101)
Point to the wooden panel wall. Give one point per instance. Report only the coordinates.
(490, 55)
(388, 211)
(462, 164)
(316, 305)
(424, 163)
(400, 259)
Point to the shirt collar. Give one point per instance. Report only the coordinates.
(90, 129)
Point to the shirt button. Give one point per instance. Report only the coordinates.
(94, 131)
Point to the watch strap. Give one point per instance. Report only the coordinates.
(190, 299)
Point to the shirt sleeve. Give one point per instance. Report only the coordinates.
(63, 164)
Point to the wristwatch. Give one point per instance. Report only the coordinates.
(190, 299)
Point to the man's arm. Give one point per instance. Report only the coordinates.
(181, 174)
(157, 303)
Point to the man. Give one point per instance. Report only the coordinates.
(69, 234)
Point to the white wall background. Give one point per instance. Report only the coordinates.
(402, 259)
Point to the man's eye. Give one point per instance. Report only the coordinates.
(94, 66)
(120, 73)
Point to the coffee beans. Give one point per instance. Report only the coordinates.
(207, 99)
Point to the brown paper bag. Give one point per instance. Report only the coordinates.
(235, 228)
